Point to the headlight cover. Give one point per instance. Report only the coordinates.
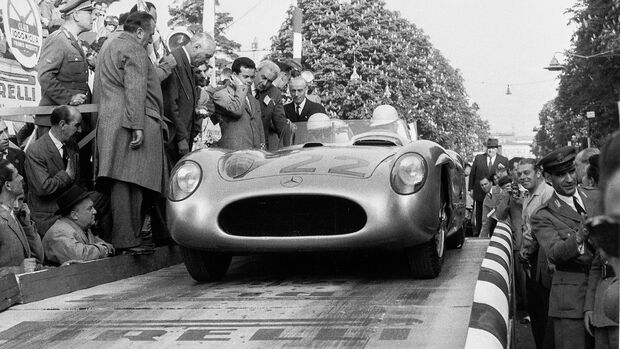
(239, 164)
(408, 173)
(184, 180)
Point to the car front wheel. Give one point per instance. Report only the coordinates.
(426, 260)
(205, 266)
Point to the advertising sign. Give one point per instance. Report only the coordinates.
(23, 31)
(18, 88)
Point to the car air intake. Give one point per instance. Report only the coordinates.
(292, 215)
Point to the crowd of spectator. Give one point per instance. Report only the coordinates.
(565, 237)
(106, 196)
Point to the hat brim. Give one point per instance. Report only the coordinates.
(66, 209)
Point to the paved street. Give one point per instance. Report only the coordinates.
(350, 300)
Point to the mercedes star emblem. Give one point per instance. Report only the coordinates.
(291, 182)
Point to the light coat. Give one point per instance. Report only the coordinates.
(66, 241)
(129, 95)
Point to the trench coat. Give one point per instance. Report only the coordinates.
(554, 225)
(129, 95)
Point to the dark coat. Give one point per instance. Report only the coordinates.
(309, 109)
(180, 97)
(63, 72)
(600, 280)
(241, 124)
(47, 180)
(480, 169)
(17, 242)
(554, 225)
(129, 95)
(272, 114)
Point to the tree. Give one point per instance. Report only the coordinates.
(397, 64)
(189, 13)
(591, 78)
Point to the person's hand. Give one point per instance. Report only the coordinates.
(582, 234)
(168, 61)
(137, 137)
(77, 99)
(70, 169)
(72, 261)
(236, 81)
(587, 321)
(183, 147)
(23, 214)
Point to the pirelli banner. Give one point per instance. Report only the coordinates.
(20, 46)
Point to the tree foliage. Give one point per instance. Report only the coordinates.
(189, 14)
(396, 61)
(590, 80)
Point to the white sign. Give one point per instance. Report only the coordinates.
(22, 27)
(590, 115)
(18, 88)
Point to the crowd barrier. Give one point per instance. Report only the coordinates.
(490, 324)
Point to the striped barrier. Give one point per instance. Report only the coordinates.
(490, 323)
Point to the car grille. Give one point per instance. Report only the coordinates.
(292, 215)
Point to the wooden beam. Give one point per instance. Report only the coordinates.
(25, 114)
(56, 281)
(9, 291)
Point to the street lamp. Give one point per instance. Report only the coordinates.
(555, 65)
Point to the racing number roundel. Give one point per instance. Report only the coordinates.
(22, 27)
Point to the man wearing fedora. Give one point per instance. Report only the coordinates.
(484, 166)
(70, 237)
(558, 226)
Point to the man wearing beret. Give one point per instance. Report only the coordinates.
(70, 238)
(558, 227)
(484, 166)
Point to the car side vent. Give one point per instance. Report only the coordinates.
(376, 142)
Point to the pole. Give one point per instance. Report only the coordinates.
(297, 40)
(618, 112)
(208, 25)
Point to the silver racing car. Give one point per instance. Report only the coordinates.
(343, 185)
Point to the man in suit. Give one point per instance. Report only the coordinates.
(484, 166)
(238, 111)
(131, 163)
(277, 127)
(180, 94)
(51, 165)
(18, 236)
(534, 259)
(558, 225)
(301, 108)
(70, 238)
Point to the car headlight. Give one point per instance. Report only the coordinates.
(184, 181)
(408, 173)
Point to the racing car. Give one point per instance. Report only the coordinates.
(344, 184)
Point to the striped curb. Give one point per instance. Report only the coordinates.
(489, 324)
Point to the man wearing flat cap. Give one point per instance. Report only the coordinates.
(483, 167)
(558, 226)
(70, 238)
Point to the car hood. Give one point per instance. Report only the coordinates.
(311, 159)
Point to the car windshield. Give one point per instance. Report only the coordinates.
(336, 131)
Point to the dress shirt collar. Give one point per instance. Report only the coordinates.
(301, 105)
(492, 158)
(569, 200)
(56, 142)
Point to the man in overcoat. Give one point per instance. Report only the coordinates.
(558, 227)
(272, 109)
(484, 165)
(130, 134)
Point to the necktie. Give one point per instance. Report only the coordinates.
(297, 111)
(578, 207)
(490, 163)
(64, 154)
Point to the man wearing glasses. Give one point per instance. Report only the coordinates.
(558, 226)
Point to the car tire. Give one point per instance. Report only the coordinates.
(205, 266)
(426, 260)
